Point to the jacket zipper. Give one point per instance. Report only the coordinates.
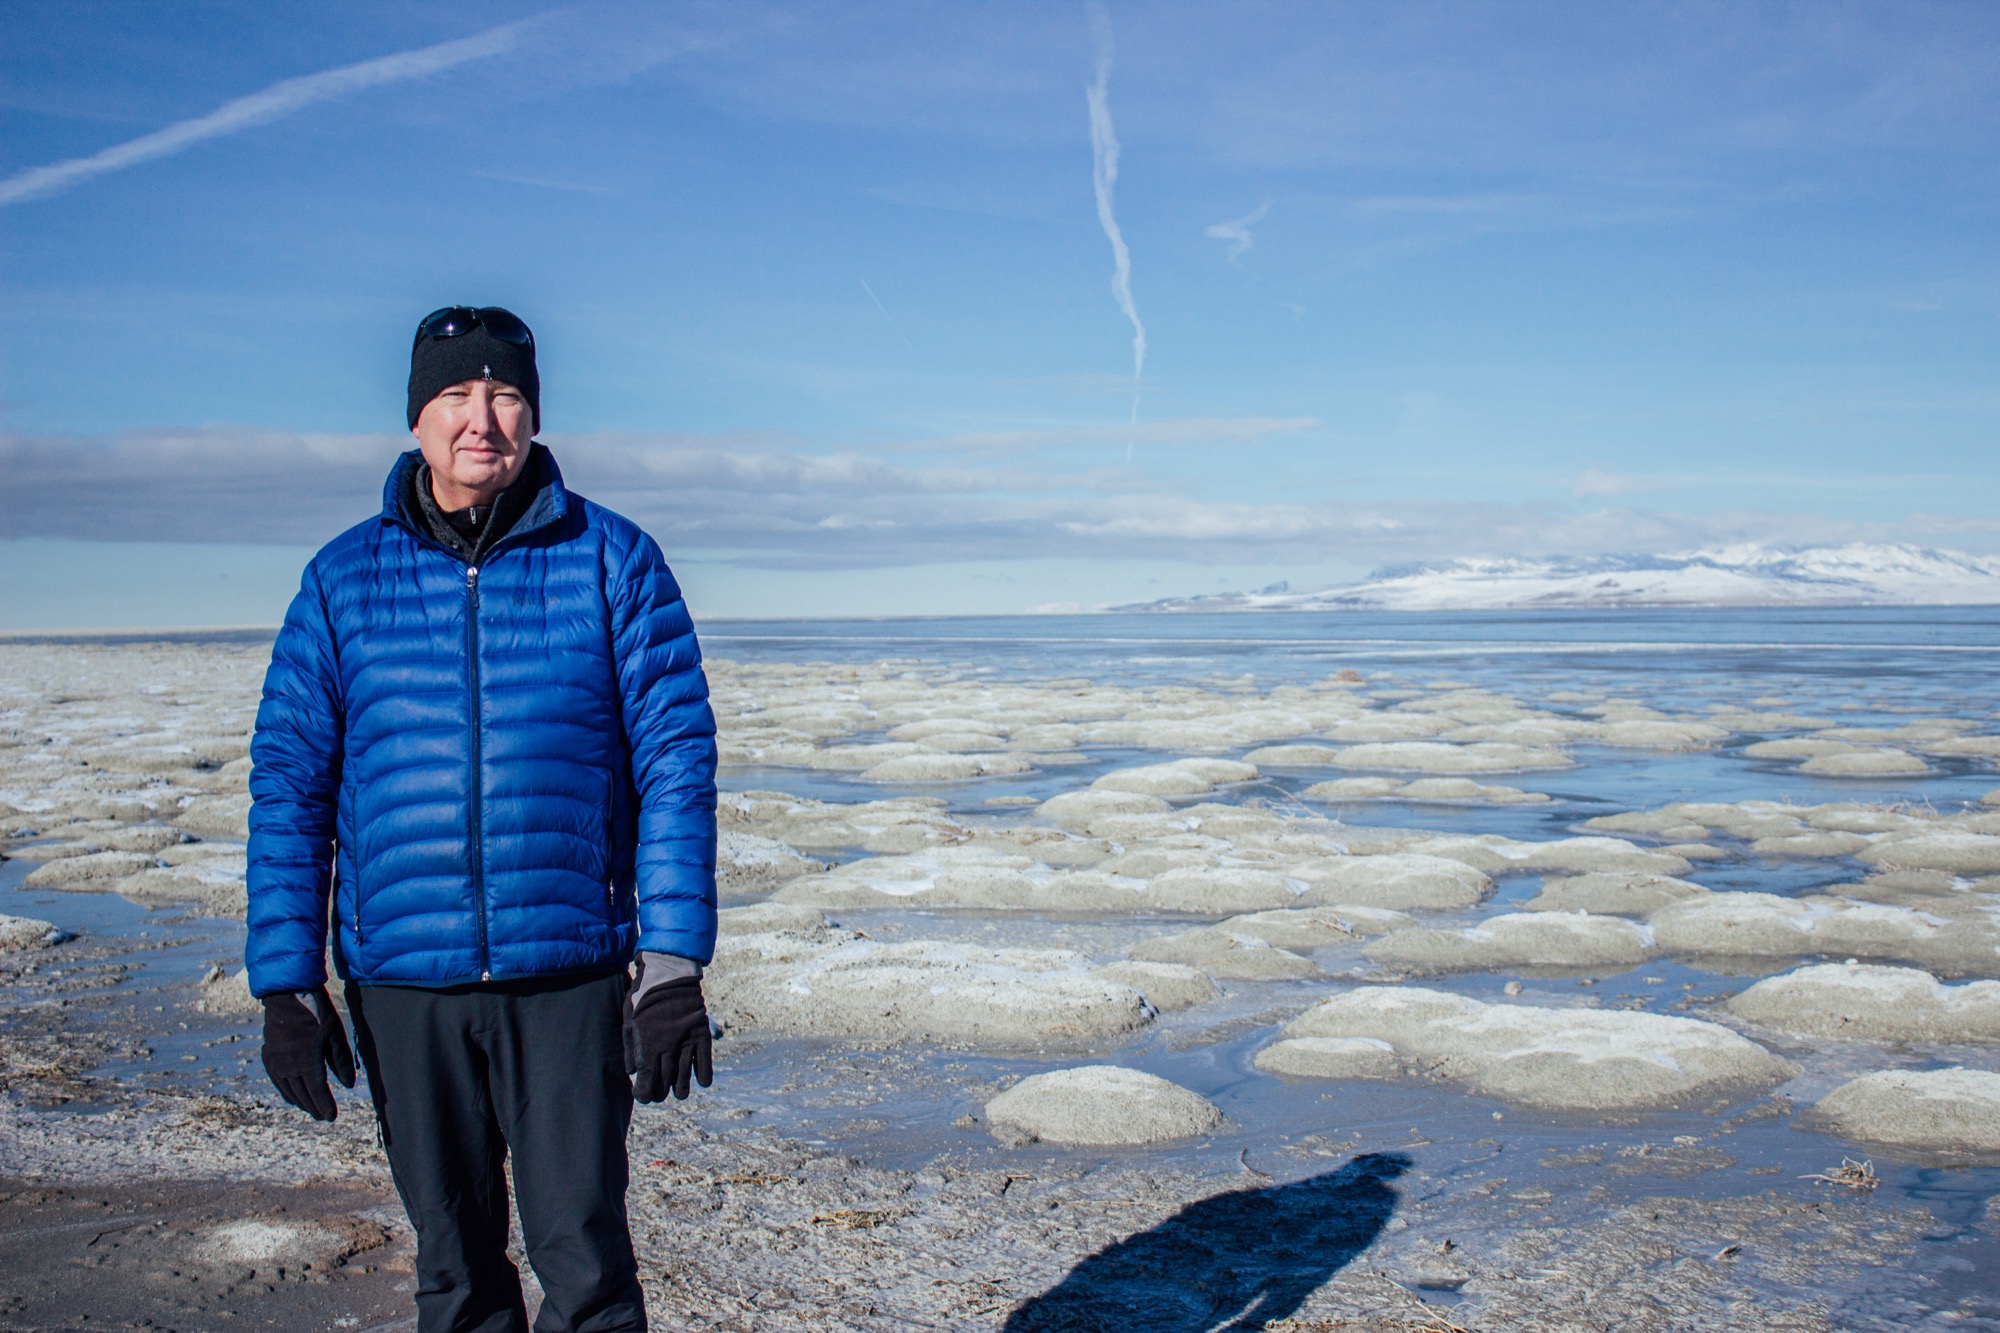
(475, 814)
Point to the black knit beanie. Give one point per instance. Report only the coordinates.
(438, 363)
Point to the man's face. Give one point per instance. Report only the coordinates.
(475, 436)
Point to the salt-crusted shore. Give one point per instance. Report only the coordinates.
(1218, 878)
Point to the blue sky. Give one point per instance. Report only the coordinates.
(824, 296)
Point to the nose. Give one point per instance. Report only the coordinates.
(479, 416)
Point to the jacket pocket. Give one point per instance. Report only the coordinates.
(605, 849)
(358, 897)
(350, 885)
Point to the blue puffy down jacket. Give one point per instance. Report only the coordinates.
(495, 773)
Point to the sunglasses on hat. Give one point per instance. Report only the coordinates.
(454, 321)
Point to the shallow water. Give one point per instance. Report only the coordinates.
(141, 962)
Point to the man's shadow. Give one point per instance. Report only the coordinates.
(1238, 1260)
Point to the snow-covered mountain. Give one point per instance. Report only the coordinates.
(1858, 574)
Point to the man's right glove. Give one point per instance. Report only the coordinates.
(303, 1038)
(667, 1039)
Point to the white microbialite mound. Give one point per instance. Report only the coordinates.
(26, 932)
(1564, 856)
(1315, 927)
(1182, 777)
(1517, 940)
(957, 877)
(1960, 853)
(1396, 881)
(1166, 986)
(1764, 925)
(1267, 946)
(1100, 1105)
(1947, 1112)
(1426, 791)
(748, 864)
(227, 994)
(1562, 1059)
(823, 982)
(1440, 757)
(280, 1243)
(1611, 893)
(1232, 956)
(1872, 763)
(1863, 1002)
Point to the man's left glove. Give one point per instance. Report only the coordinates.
(667, 1038)
(303, 1038)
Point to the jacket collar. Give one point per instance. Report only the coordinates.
(550, 502)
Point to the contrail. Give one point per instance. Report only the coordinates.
(277, 101)
(886, 315)
(1104, 175)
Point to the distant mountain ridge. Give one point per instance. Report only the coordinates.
(1857, 574)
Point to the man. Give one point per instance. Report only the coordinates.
(485, 746)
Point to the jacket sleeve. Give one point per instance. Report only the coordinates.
(295, 758)
(671, 730)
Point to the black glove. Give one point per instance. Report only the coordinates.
(667, 1039)
(303, 1038)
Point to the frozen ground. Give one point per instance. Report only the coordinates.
(1496, 974)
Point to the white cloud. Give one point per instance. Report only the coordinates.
(1237, 230)
(771, 501)
(260, 108)
(1167, 518)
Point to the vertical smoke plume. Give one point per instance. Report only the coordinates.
(1104, 175)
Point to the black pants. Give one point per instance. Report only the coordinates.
(462, 1076)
